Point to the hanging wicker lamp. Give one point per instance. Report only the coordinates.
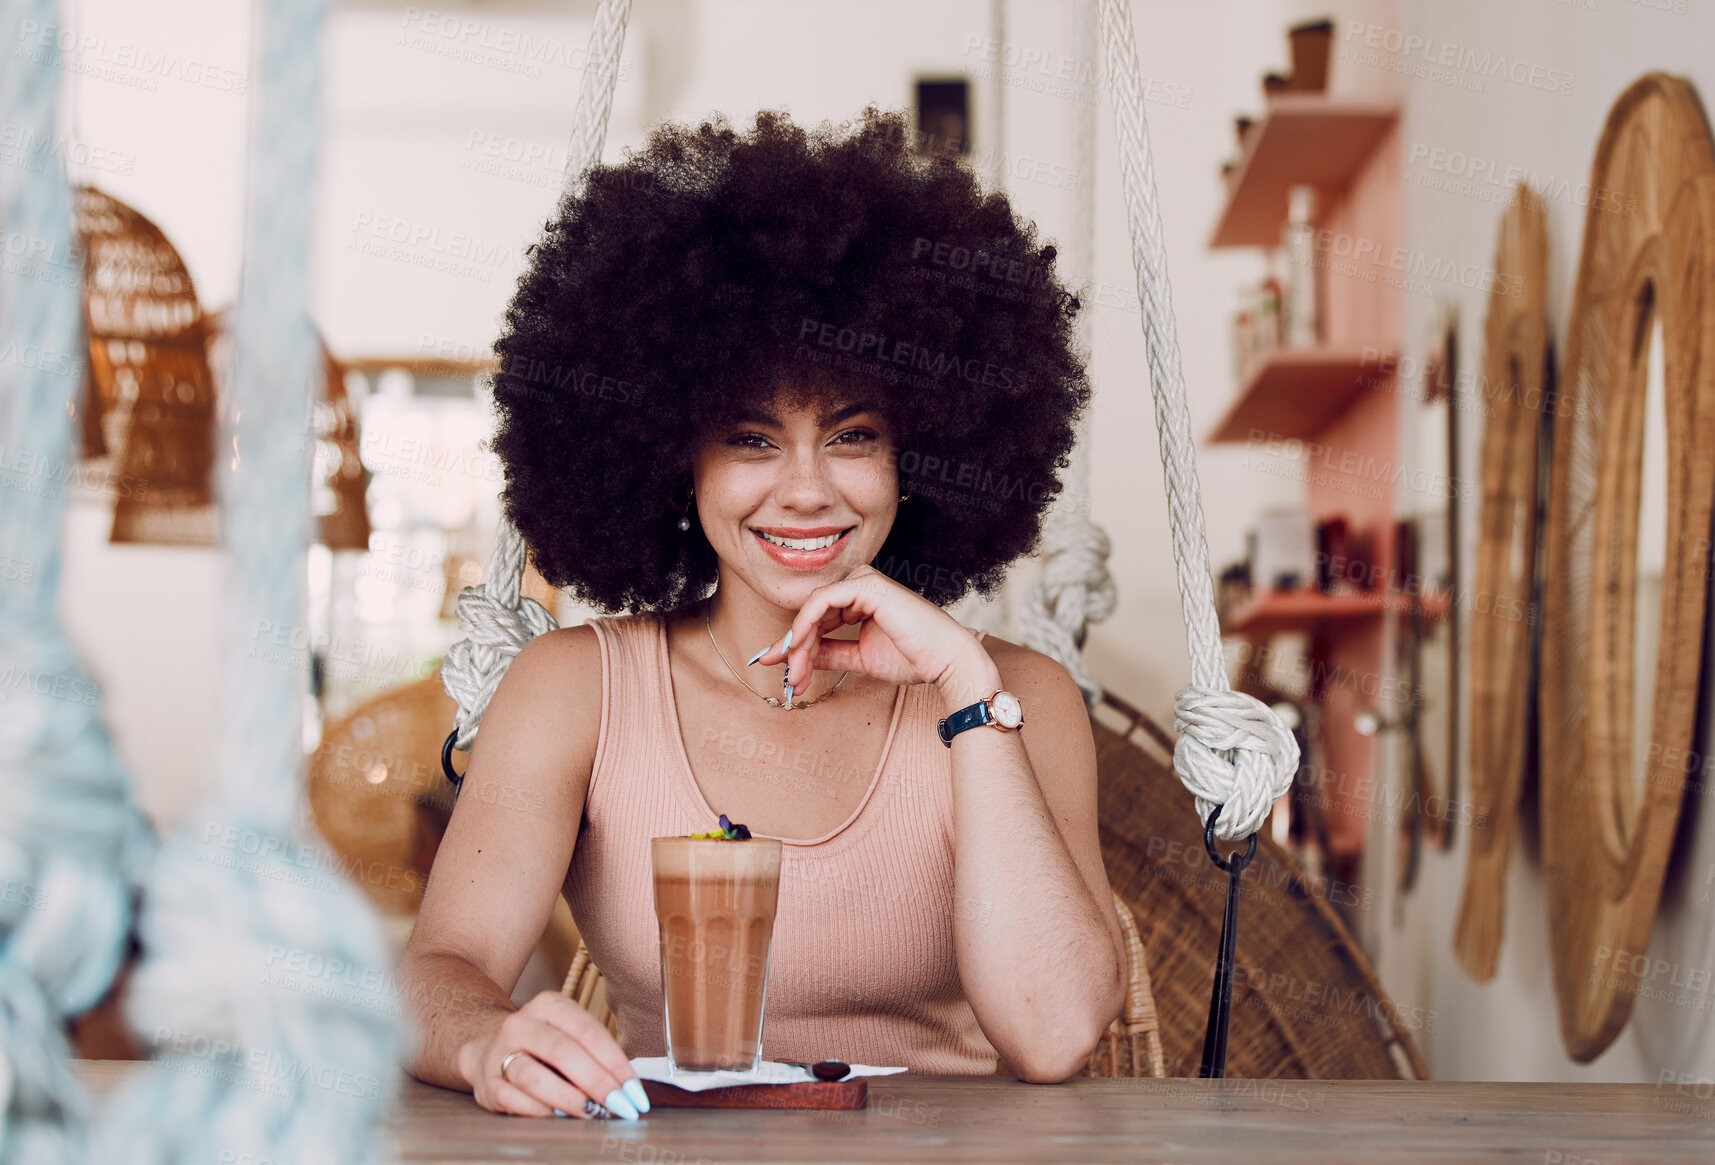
(152, 395)
(149, 406)
(338, 481)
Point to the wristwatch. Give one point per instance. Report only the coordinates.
(1000, 709)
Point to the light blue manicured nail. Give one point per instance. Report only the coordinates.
(620, 1105)
(788, 695)
(787, 646)
(557, 1112)
(756, 657)
(634, 1089)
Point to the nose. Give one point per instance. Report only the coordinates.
(806, 485)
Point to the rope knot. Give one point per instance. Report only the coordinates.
(1073, 591)
(1233, 751)
(473, 667)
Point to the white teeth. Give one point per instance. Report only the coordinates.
(802, 543)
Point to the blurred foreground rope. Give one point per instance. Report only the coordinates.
(72, 843)
(263, 985)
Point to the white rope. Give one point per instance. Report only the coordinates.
(1075, 588)
(261, 985)
(1232, 749)
(497, 622)
(72, 843)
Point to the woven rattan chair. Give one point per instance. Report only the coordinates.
(1131, 1046)
(1306, 1004)
(380, 801)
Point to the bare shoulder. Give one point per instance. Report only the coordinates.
(1053, 704)
(547, 708)
(569, 654)
(1026, 670)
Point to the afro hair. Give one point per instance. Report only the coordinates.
(711, 271)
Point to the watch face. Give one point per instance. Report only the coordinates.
(1007, 711)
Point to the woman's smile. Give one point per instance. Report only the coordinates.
(803, 547)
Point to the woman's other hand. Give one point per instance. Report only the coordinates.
(903, 638)
(568, 1058)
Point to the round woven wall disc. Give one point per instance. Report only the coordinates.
(1514, 386)
(1610, 793)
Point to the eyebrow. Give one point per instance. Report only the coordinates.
(750, 416)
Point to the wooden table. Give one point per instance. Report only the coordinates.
(996, 1119)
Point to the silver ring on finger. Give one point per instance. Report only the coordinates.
(507, 1063)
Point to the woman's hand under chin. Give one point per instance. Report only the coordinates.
(903, 638)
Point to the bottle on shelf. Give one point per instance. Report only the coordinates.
(1300, 327)
(1244, 343)
(1268, 308)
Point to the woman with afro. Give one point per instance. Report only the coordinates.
(775, 400)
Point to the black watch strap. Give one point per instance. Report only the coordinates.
(968, 717)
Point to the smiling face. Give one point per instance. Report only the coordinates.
(794, 496)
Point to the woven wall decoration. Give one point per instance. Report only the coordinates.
(1513, 390)
(1606, 836)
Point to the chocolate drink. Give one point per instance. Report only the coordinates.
(715, 903)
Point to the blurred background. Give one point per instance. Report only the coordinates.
(1333, 179)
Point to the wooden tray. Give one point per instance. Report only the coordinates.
(806, 1094)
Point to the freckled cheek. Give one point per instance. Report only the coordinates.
(870, 486)
(734, 494)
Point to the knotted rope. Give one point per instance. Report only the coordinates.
(496, 620)
(1075, 588)
(1232, 749)
(72, 842)
(262, 990)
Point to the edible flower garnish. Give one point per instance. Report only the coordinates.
(729, 831)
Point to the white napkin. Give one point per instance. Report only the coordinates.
(660, 1069)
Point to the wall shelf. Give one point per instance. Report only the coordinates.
(1307, 610)
(1297, 392)
(1349, 152)
(1308, 139)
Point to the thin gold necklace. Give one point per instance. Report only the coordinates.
(774, 700)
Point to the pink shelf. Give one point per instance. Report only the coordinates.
(1305, 610)
(1307, 139)
(1297, 392)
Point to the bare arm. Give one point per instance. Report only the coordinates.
(1040, 949)
(492, 888)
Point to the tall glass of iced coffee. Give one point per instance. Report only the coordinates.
(715, 901)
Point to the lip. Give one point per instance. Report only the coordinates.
(803, 559)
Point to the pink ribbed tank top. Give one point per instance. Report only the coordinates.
(862, 967)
